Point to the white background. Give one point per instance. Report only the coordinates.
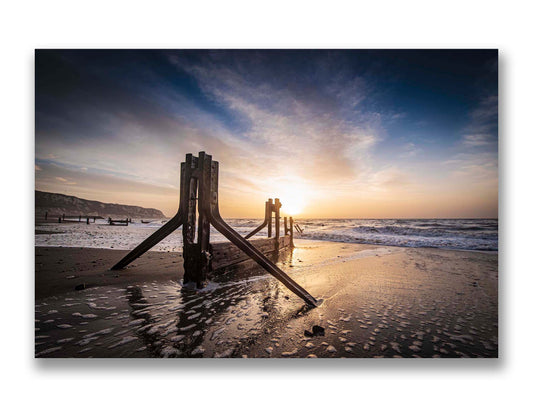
(28, 25)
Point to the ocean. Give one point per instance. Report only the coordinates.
(455, 234)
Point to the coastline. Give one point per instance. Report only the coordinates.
(379, 301)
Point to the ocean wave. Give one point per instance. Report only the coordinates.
(464, 234)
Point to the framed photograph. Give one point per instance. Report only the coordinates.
(266, 203)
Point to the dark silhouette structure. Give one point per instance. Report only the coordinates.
(199, 192)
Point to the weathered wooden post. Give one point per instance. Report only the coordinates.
(59, 220)
(188, 193)
(286, 228)
(201, 173)
(270, 206)
(87, 220)
(204, 229)
(277, 206)
(292, 231)
(46, 215)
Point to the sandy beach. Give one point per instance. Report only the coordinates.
(379, 301)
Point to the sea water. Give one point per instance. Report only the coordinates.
(458, 234)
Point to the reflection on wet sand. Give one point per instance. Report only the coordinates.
(378, 302)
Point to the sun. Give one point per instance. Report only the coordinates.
(292, 202)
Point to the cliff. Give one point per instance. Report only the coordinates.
(58, 204)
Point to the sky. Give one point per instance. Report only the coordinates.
(332, 133)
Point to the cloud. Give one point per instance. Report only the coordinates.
(475, 169)
(294, 126)
(117, 128)
(482, 129)
(476, 140)
(389, 179)
(410, 150)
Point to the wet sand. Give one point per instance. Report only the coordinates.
(379, 301)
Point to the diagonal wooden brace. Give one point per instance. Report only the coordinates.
(165, 230)
(210, 207)
(151, 241)
(268, 212)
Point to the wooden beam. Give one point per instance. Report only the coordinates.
(270, 207)
(262, 225)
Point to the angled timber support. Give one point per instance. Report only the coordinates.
(199, 193)
(268, 212)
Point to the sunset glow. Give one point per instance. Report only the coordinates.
(293, 202)
(332, 133)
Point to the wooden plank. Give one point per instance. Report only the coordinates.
(189, 224)
(291, 229)
(262, 225)
(204, 256)
(270, 207)
(226, 253)
(277, 206)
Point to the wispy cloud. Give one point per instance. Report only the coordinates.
(482, 129)
(311, 123)
(293, 126)
(410, 150)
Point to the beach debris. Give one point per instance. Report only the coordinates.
(331, 349)
(317, 330)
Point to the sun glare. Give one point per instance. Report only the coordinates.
(293, 202)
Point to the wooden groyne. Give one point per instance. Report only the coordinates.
(62, 218)
(198, 210)
(119, 222)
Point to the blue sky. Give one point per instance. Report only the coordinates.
(333, 133)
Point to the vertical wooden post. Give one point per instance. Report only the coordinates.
(277, 205)
(59, 220)
(203, 250)
(292, 231)
(46, 215)
(189, 224)
(286, 228)
(197, 256)
(270, 217)
(87, 220)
